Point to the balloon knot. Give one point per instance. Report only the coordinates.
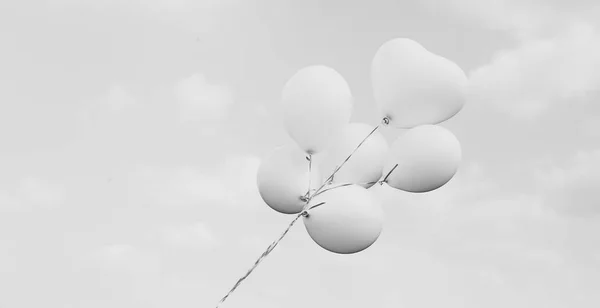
(385, 121)
(305, 198)
(304, 214)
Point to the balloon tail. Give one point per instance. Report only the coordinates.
(262, 257)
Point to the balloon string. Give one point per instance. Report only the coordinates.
(348, 184)
(385, 121)
(262, 257)
(388, 175)
(343, 185)
(309, 174)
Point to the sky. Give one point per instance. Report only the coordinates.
(131, 133)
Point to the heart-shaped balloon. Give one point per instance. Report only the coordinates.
(413, 86)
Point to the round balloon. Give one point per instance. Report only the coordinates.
(413, 86)
(427, 157)
(317, 103)
(283, 179)
(348, 220)
(365, 166)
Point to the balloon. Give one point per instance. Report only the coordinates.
(427, 156)
(365, 165)
(349, 221)
(283, 179)
(413, 86)
(317, 103)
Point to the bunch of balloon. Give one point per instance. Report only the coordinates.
(414, 89)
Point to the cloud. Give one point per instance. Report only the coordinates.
(474, 224)
(525, 81)
(8, 201)
(231, 183)
(154, 6)
(124, 257)
(557, 48)
(118, 98)
(195, 235)
(524, 19)
(181, 6)
(40, 193)
(591, 126)
(573, 189)
(202, 101)
(33, 193)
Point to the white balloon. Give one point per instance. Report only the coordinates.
(413, 86)
(427, 156)
(317, 103)
(366, 164)
(349, 221)
(283, 178)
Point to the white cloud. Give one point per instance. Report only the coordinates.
(40, 193)
(33, 193)
(124, 257)
(573, 189)
(558, 48)
(231, 183)
(527, 80)
(202, 101)
(195, 235)
(118, 98)
(181, 6)
(591, 126)
(475, 224)
(523, 19)
(519, 17)
(8, 201)
(117, 252)
(154, 6)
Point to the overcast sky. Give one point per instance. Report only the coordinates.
(131, 132)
